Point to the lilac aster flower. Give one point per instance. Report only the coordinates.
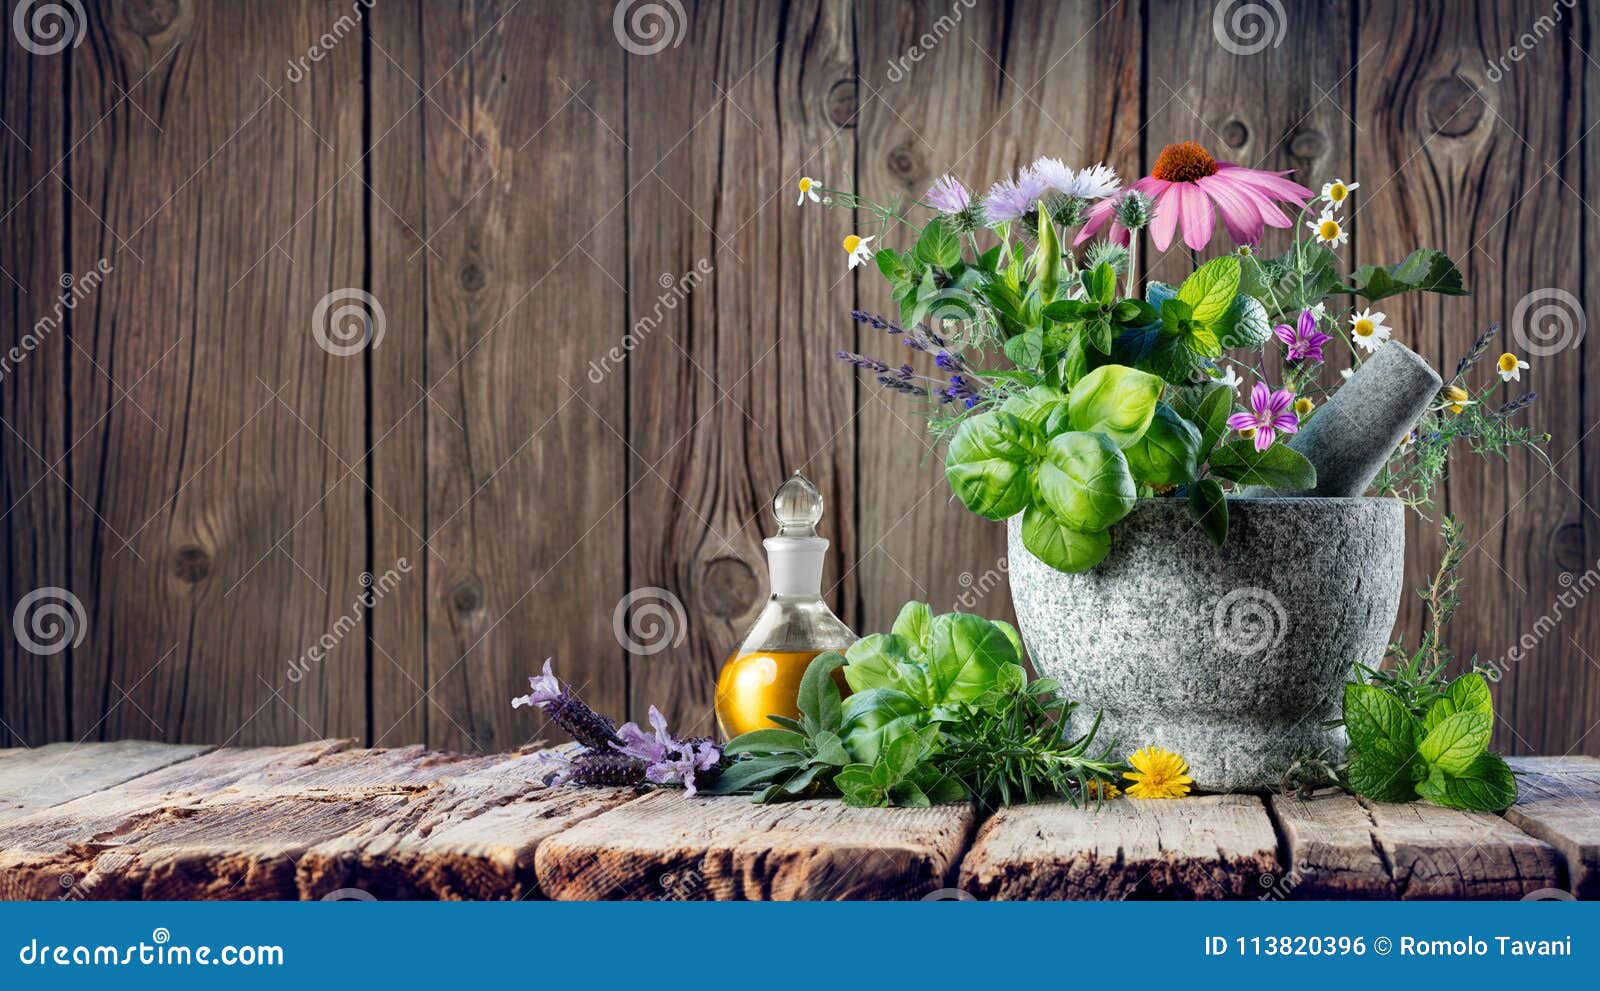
(1271, 413)
(1009, 200)
(668, 761)
(1054, 173)
(947, 195)
(1303, 340)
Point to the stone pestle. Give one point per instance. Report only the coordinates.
(1353, 435)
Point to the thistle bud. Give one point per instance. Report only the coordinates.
(1134, 210)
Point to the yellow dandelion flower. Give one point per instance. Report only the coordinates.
(1158, 773)
(1097, 790)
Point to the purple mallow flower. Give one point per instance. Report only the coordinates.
(667, 761)
(1271, 413)
(947, 195)
(1304, 340)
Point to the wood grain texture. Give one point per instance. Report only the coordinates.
(1036, 78)
(731, 385)
(1558, 801)
(1217, 846)
(60, 772)
(666, 847)
(1341, 846)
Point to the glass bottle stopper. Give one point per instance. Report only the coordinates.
(798, 507)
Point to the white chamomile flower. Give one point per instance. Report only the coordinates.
(1510, 367)
(1345, 373)
(856, 246)
(1231, 379)
(1336, 192)
(808, 187)
(1328, 229)
(1368, 330)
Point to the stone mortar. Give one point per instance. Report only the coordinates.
(1233, 656)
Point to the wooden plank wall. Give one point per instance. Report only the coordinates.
(607, 328)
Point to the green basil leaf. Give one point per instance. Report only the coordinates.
(1041, 407)
(886, 660)
(877, 716)
(1116, 401)
(1424, 270)
(1372, 715)
(914, 623)
(1211, 289)
(1279, 466)
(1062, 548)
(938, 245)
(1456, 741)
(1468, 693)
(970, 657)
(1085, 480)
(1210, 508)
(1212, 417)
(1169, 451)
(1487, 785)
(819, 695)
(986, 464)
(1012, 635)
(1383, 771)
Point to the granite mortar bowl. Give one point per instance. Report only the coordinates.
(1234, 656)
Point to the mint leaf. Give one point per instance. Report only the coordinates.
(1468, 693)
(1452, 745)
(938, 245)
(1211, 289)
(1487, 785)
(1385, 771)
(1373, 716)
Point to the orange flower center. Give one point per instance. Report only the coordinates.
(1184, 162)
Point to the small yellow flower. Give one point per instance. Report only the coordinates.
(1328, 229)
(856, 247)
(1247, 432)
(1097, 790)
(808, 187)
(1245, 251)
(1456, 399)
(1337, 191)
(1303, 407)
(1510, 367)
(1158, 773)
(1368, 329)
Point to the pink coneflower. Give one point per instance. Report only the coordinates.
(1271, 413)
(1186, 182)
(1303, 340)
(947, 195)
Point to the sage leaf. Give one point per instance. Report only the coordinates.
(1279, 466)
(819, 696)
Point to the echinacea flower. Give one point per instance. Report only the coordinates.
(1012, 199)
(947, 195)
(1328, 229)
(856, 247)
(1188, 183)
(1510, 367)
(808, 188)
(1336, 192)
(668, 761)
(1303, 340)
(1455, 399)
(1269, 416)
(1368, 329)
(1158, 773)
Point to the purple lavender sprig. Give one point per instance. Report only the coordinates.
(666, 760)
(564, 708)
(1478, 349)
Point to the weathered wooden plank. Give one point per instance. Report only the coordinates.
(60, 772)
(1341, 846)
(1559, 802)
(524, 198)
(1003, 84)
(665, 846)
(1485, 164)
(1216, 846)
(218, 526)
(472, 835)
(731, 387)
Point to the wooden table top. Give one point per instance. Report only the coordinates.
(150, 820)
